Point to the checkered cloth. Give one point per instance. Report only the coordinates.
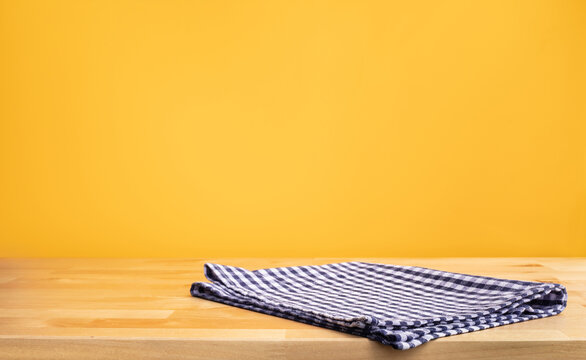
(401, 306)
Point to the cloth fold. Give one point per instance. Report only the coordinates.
(400, 306)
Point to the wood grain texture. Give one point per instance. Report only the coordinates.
(142, 309)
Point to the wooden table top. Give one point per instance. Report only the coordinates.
(141, 308)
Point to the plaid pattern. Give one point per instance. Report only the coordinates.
(401, 306)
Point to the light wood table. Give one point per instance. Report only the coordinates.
(142, 309)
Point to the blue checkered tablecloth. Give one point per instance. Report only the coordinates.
(401, 306)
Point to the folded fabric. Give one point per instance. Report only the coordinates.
(401, 306)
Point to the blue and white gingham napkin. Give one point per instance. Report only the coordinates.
(401, 306)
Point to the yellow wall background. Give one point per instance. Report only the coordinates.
(293, 128)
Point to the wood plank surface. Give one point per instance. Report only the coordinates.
(141, 309)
